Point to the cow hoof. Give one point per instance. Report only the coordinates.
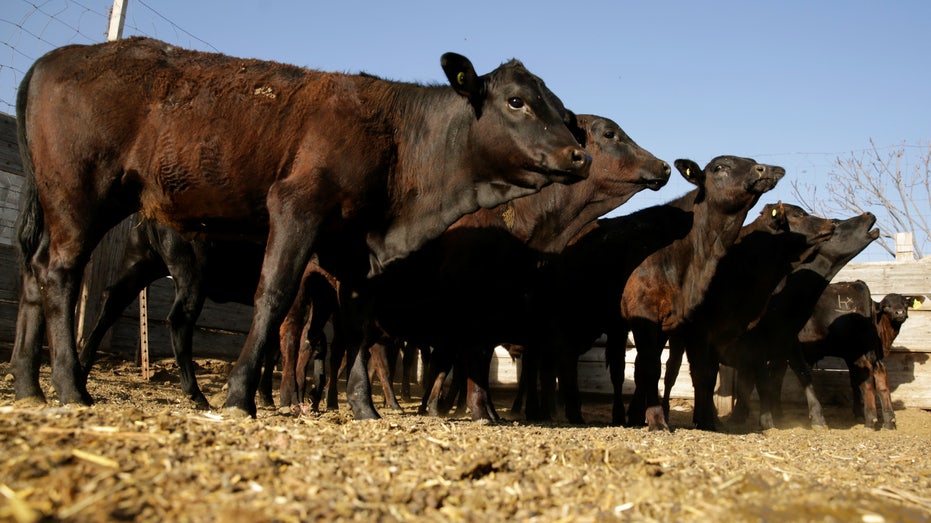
(236, 413)
(266, 403)
(364, 413)
(766, 421)
(656, 420)
(31, 401)
(819, 426)
(75, 397)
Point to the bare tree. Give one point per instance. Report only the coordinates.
(892, 183)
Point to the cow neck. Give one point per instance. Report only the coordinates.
(566, 213)
(887, 329)
(707, 242)
(435, 180)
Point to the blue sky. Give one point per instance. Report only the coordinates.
(792, 83)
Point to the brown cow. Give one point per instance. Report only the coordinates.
(361, 170)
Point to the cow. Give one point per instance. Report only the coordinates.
(767, 249)
(773, 338)
(357, 169)
(846, 323)
(469, 290)
(648, 271)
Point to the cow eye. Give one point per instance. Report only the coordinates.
(609, 135)
(515, 103)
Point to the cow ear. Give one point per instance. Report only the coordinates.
(462, 77)
(690, 171)
(915, 302)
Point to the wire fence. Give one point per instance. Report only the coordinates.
(31, 28)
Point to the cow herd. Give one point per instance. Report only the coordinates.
(447, 218)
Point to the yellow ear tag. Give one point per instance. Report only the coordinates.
(916, 303)
(460, 78)
(688, 172)
(775, 212)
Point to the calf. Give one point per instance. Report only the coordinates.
(846, 323)
(359, 170)
(766, 250)
(773, 339)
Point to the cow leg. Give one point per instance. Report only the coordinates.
(316, 351)
(292, 341)
(703, 366)
(856, 395)
(527, 382)
(673, 365)
(881, 379)
(30, 329)
(441, 362)
(356, 317)
(189, 301)
(378, 362)
(337, 360)
(615, 355)
(518, 405)
(456, 395)
(408, 369)
(548, 378)
(60, 279)
(803, 372)
(861, 373)
(266, 382)
(569, 386)
(290, 242)
(138, 274)
(478, 394)
(647, 370)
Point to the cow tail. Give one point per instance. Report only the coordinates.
(31, 221)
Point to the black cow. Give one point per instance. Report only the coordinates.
(846, 323)
(767, 249)
(773, 339)
(360, 170)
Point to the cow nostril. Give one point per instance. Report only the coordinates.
(667, 169)
(579, 156)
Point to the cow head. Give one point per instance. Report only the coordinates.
(850, 237)
(731, 182)
(895, 307)
(617, 161)
(520, 134)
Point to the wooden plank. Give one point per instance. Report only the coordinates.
(884, 278)
(10, 160)
(9, 205)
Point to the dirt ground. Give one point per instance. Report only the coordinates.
(138, 454)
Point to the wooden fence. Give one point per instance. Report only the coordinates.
(221, 328)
